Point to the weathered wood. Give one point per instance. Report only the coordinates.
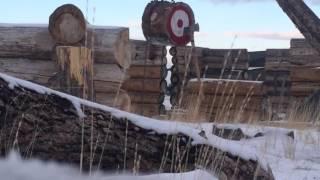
(221, 86)
(152, 72)
(75, 72)
(111, 44)
(67, 25)
(299, 43)
(146, 98)
(158, 61)
(143, 50)
(304, 88)
(305, 74)
(44, 72)
(117, 141)
(145, 85)
(305, 20)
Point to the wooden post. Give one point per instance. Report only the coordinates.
(75, 71)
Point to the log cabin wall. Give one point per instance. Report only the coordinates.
(28, 52)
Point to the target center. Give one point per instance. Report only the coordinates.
(180, 23)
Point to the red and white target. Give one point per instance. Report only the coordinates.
(180, 18)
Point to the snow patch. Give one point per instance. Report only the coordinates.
(14, 168)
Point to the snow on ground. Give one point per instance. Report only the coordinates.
(289, 159)
(14, 168)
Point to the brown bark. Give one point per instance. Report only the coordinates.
(47, 126)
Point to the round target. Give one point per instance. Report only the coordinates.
(181, 17)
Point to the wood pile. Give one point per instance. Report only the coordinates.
(291, 76)
(225, 100)
(214, 63)
(277, 82)
(29, 52)
(147, 83)
(305, 76)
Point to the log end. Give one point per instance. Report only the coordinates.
(67, 25)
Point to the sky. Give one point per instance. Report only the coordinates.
(250, 24)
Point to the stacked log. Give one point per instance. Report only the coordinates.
(29, 52)
(305, 79)
(277, 82)
(225, 100)
(291, 76)
(147, 84)
(214, 63)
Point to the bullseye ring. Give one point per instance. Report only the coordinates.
(179, 19)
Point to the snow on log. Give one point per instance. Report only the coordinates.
(50, 125)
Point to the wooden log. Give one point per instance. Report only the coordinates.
(57, 117)
(158, 61)
(156, 24)
(111, 44)
(299, 43)
(230, 54)
(143, 50)
(152, 72)
(120, 100)
(183, 51)
(146, 98)
(305, 75)
(75, 71)
(222, 86)
(145, 85)
(45, 72)
(304, 88)
(303, 52)
(67, 25)
(225, 102)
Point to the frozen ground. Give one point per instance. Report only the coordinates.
(289, 159)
